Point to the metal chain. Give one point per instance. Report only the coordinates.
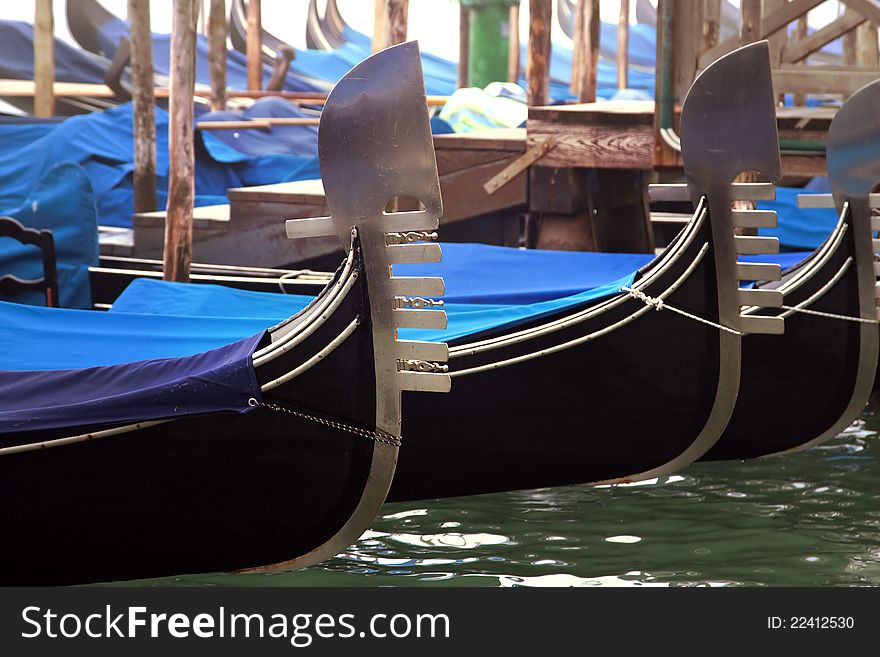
(659, 304)
(376, 435)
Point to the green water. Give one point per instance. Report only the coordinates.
(811, 518)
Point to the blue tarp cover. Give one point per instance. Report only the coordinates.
(71, 64)
(798, 228)
(61, 367)
(516, 287)
(63, 203)
(102, 143)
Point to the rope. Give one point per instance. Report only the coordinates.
(819, 313)
(376, 435)
(659, 304)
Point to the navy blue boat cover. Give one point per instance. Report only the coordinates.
(71, 64)
(66, 368)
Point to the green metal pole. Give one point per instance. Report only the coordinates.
(489, 36)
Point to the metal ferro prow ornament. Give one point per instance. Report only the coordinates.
(375, 145)
(738, 90)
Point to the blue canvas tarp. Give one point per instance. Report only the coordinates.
(17, 57)
(798, 228)
(66, 368)
(102, 144)
(507, 296)
(63, 203)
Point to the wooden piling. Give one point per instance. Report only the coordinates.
(849, 44)
(217, 53)
(513, 45)
(398, 14)
(144, 122)
(711, 24)
(44, 59)
(464, 44)
(800, 34)
(538, 59)
(181, 160)
(623, 46)
(585, 60)
(254, 45)
(751, 21)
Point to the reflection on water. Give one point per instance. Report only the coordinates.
(812, 518)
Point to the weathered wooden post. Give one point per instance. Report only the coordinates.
(144, 122)
(181, 159)
(800, 99)
(254, 45)
(751, 21)
(464, 44)
(44, 59)
(538, 59)
(513, 45)
(623, 46)
(711, 24)
(389, 23)
(585, 60)
(217, 53)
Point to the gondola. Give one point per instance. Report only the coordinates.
(812, 385)
(275, 451)
(323, 32)
(598, 388)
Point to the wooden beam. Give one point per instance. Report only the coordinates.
(513, 47)
(586, 51)
(866, 8)
(799, 36)
(44, 59)
(256, 124)
(464, 44)
(821, 79)
(254, 45)
(803, 47)
(520, 164)
(866, 45)
(750, 30)
(144, 176)
(538, 60)
(217, 53)
(623, 46)
(849, 43)
(769, 24)
(181, 158)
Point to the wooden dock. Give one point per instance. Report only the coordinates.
(250, 229)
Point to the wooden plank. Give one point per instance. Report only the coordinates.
(538, 59)
(507, 139)
(520, 164)
(796, 51)
(217, 53)
(769, 24)
(612, 112)
(254, 46)
(181, 157)
(44, 59)
(595, 146)
(144, 124)
(256, 124)
(821, 79)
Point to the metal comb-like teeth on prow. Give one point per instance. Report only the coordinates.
(420, 365)
(746, 271)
